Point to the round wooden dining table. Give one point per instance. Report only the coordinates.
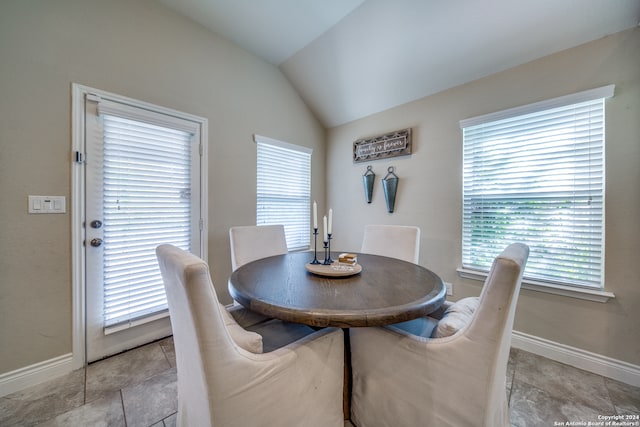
(386, 291)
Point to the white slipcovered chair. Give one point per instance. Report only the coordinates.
(252, 242)
(249, 243)
(225, 380)
(404, 379)
(394, 241)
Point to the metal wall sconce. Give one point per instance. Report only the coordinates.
(368, 179)
(390, 186)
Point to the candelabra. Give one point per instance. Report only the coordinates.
(327, 251)
(327, 258)
(315, 246)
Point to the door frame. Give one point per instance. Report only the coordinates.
(78, 261)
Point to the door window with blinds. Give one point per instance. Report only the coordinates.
(146, 202)
(283, 189)
(535, 174)
(144, 177)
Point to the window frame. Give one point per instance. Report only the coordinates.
(583, 292)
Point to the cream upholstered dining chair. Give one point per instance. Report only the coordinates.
(252, 242)
(224, 379)
(249, 243)
(457, 379)
(394, 241)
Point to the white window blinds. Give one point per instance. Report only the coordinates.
(284, 189)
(147, 189)
(535, 175)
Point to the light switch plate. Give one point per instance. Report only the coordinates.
(47, 204)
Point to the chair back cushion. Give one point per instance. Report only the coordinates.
(393, 241)
(252, 242)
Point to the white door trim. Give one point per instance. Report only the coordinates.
(77, 230)
(78, 269)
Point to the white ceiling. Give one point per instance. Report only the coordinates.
(352, 58)
(271, 29)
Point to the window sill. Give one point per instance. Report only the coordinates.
(135, 322)
(596, 295)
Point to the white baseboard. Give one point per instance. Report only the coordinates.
(578, 358)
(28, 376)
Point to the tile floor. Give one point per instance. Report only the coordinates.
(138, 388)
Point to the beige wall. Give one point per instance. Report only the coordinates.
(141, 50)
(429, 192)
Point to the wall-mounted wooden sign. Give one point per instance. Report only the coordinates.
(392, 144)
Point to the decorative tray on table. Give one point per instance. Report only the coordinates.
(334, 270)
(346, 266)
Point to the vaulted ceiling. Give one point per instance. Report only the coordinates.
(352, 58)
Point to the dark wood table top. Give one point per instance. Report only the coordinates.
(387, 291)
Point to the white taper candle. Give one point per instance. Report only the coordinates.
(324, 229)
(315, 215)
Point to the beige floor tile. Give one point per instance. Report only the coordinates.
(170, 421)
(563, 382)
(532, 407)
(126, 369)
(169, 350)
(44, 401)
(511, 369)
(152, 400)
(104, 412)
(625, 398)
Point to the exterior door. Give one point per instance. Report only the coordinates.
(142, 189)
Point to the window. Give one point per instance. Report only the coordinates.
(284, 189)
(535, 174)
(146, 202)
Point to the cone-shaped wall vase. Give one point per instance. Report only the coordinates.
(390, 186)
(368, 179)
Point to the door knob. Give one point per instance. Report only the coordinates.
(96, 242)
(96, 224)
